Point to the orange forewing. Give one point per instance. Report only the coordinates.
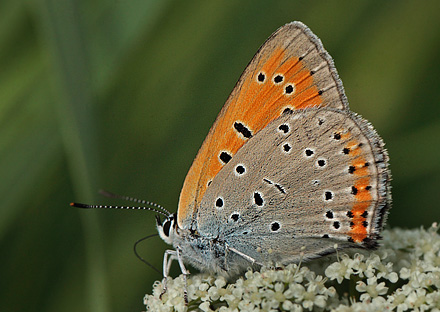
(295, 55)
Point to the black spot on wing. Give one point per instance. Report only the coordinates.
(225, 157)
(242, 129)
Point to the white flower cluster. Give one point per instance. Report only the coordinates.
(402, 275)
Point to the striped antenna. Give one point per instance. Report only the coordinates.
(86, 206)
(135, 200)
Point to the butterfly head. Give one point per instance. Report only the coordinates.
(167, 228)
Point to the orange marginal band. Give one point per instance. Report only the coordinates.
(358, 232)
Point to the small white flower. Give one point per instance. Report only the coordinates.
(398, 301)
(205, 307)
(338, 271)
(433, 299)
(417, 299)
(371, 289)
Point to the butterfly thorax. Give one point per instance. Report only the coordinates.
(204, 253)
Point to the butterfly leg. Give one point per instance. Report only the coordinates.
(168, 258)
(172, 256)
(185, 272)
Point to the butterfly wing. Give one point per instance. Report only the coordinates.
(291, 70)
(309, 179)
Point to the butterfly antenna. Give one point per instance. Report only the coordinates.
(142, 259)
(135, 200)
(86, 206)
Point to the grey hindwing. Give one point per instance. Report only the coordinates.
(291, 187)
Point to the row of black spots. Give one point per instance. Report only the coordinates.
(311, 49)
(261, 77)
(284, 128)
(289, 89)
(330, 215)
(354, 190)
(347, 150)
(301, 57)
(309, 152)
(275, 226)
(258, 199)
(321, 163)
(240, 170)
(352, 169)
(337, 136)
(351, 215)
(287, 148)
(277, 79)
(243, 130)
(328, 195)
(219, 202)
(312, 72)
(364, 224)
(322, 65)
(225, 157)
(235, 216)
(288, 110)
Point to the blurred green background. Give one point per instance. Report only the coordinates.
(119, 95)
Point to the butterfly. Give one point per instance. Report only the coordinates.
(286, 171)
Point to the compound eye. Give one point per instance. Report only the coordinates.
(167, 227)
